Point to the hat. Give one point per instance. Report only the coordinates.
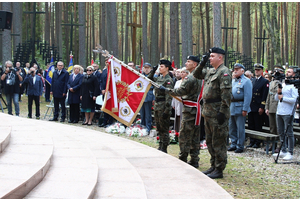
(147, 65)
(167, 63)
(258, 66)
(278, 67)
(217, 50)
(238, 65)
(193, 58)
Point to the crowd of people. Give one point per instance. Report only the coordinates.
(207, 103)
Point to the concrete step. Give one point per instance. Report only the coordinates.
(4, 137)
(108, 166)
(73, 172)
(24, 163)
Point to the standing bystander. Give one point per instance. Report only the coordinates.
(239, 108)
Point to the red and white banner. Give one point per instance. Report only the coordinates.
(125, 93)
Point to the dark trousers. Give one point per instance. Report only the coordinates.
(37, 105)
(60, 101)
(255, 123)
(74, 112)
(47, 91)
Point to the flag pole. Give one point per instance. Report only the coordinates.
(105, 53)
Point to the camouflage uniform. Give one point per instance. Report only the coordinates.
(189, 138)
(162, 106)
(216, 98)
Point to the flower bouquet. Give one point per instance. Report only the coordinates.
(136, 130)
(117, 128)
(173, 137)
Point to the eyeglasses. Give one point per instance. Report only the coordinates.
(89, 70)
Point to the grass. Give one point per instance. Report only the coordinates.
(250, 175)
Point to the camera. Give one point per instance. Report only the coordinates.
(278, 76)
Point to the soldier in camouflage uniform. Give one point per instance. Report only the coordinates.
(163, 103)
(216, 108)
(189, 90)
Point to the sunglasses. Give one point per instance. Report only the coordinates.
(89, 70)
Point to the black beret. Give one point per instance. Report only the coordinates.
(165, 62)
(258, 66)
(193, 58)
(217, 50)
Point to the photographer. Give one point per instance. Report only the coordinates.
(271, 103)
(12, 79)
(287, 96)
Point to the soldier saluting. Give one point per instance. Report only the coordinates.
(216, 112)
(189, 90)
(163, 103)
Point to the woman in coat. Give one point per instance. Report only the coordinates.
(74, 85)
(88, 92)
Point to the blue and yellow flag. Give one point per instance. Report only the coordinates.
(70, 68)
(50, 72)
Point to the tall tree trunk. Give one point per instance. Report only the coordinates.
(113, 29)
(162, 23)
(217, 25)
(103, 32)
(67, 33)
(145, 31)
(286, 44)
(81, 17)
(207, 26)
(126, 33)
(202, 30)
(58, 14)
(47, 23)
(186, 30)
(6, 37)
(224, 19)
(238, 31)
(246, 28)
(53, 40)
(259, 50)
(298, 37)
(154, 57)
(17, 23)
(177, 54)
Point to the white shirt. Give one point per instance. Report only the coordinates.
(175, 103)
(290, 94)
(34, 78)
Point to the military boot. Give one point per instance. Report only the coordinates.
(194, 158)
(164, 148)
(217, 173)
(210, 170)
(183, 156)
(193, 163)
(159, 147)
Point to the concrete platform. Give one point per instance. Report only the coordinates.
(91, 164)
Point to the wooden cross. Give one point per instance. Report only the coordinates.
(34, 12)
(71, 32)
(263, 40)
(226, 33)
(134, 26)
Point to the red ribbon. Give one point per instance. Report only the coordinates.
(195, 104)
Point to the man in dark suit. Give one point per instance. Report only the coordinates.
(259, 95)
(59, 90)
(74, 84)
(108, 120)
(34, 91)
(97, 73)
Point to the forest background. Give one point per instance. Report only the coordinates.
(130, 30)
